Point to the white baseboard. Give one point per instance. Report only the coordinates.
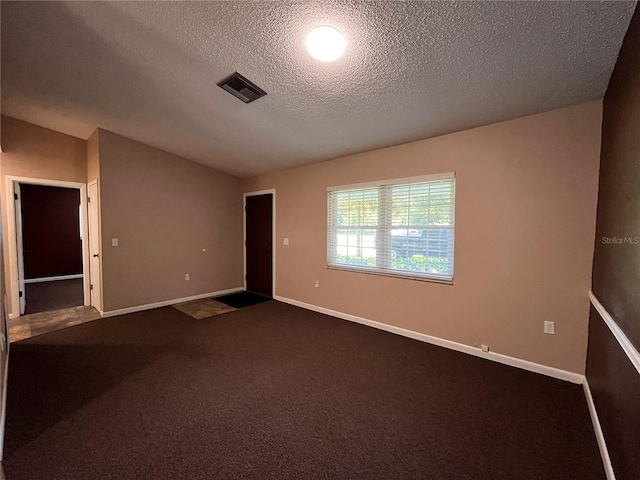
(53, 279)
(166, 303)
(459, 347)
(602, 445)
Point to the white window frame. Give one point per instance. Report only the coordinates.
(382, 240)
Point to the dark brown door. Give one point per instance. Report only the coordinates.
(259, 235)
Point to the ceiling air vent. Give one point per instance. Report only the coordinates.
(240, 87)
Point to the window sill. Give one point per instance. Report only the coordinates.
(404, 275)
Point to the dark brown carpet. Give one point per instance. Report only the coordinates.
(274, 391)
(46, 296)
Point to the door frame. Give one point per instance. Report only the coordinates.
(98, 226)
(271, 191)
(12, 248)
(17, 203)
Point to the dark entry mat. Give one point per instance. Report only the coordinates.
(241, 299)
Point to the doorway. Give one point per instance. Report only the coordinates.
(49, 243)
(259, 228)
(48, 251)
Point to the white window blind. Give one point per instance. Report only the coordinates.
(402, 228)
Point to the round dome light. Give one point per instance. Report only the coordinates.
(326, 43)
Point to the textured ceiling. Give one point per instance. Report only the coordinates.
(412, 70)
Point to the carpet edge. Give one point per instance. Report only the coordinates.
(166, 303)
(553, 372)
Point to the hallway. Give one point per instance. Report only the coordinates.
(48, 296)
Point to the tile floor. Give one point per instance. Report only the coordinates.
(27, 326)
(203, 308)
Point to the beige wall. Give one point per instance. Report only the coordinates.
(36, 152)
(165, 211)
(93, 157)
(525, 212)
(32, 151)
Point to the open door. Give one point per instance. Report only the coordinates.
(19, 246)
(94, 246)
(259, 243)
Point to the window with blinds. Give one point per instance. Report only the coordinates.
(401, 228)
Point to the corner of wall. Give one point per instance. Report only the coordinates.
(93, 156)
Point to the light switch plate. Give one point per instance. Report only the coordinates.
(285, 241)
(550, 328)
(114, 242)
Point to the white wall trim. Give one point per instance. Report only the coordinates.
(602, 445)
(271, 191)
(624, 342)
(166, 303)
(53, 279)
(459, 347)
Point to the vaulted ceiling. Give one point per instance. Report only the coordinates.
(411, 70)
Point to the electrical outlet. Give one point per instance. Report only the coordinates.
(484, 348)
(315, 284)
(550, 328)
(187, 277)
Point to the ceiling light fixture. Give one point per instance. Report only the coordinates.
(326, 43)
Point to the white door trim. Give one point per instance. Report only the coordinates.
(273, 235)
(14, 300)
(99, 227)
(17, 205)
